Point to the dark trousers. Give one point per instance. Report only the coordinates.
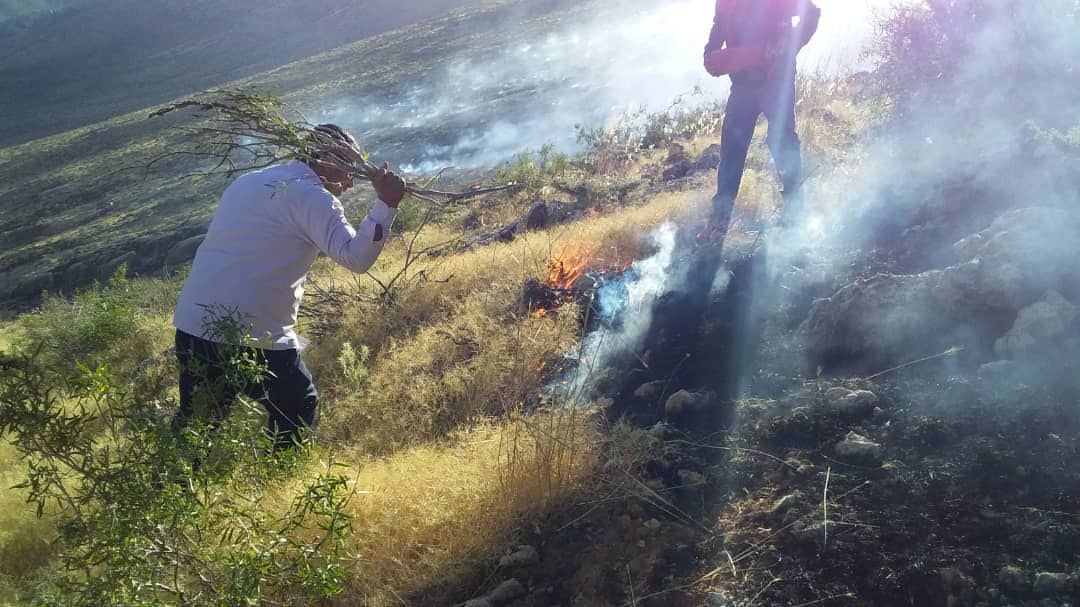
(208, 387)
(744, 105)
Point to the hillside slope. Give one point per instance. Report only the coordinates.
(77, 204)
(96, 60)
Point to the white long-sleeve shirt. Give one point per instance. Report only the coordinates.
(268, 230)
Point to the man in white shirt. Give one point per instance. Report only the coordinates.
(249, 273)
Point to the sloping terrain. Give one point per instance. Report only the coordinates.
(578, 394)
(77, 204)
(96, 60)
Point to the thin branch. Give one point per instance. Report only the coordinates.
(259, 124)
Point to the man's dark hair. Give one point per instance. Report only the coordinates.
(323, 134)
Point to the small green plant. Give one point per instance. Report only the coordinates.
(536, 169)
(353, 364)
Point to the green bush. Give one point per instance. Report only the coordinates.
(535, 169)
(150, 513)
(108, 324)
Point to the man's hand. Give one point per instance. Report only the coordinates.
(389, 186)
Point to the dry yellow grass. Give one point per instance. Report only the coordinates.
(24, 538)
(453, 359)
(428, 516)
(447, 353)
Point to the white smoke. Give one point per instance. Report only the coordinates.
(624, 309)
(475, 110)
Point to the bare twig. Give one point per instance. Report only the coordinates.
(825, 506)
(950, 352)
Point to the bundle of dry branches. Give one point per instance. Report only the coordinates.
(261, 129)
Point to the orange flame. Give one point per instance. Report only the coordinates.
(565, 269)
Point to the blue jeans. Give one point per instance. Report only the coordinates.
(744, 105)
(287, 390)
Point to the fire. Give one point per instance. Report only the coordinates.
(565, 269)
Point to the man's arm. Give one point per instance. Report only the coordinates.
(808, 22)
(721, 22)
(720, 60)
(323, 221)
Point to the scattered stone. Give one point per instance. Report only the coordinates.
(683, 402)
(506, 592)
(959, 587)
(882, 319)
(678, 163)
(998, 369)
(783, 504)
(718, 600)
(691, 478)
(676, 171)
(836, 393)
(676, 153)
(658, 430)
(709, 159)
(1051, 584)
(538, 216)
(859, 449)
(1014, 579)
(855, 403)
(1039, 327)
(650, 390)
(522, 557)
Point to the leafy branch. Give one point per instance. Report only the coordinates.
(259, 130)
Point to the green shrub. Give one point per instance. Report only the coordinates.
(149, 513)
(111, 324)
(536, 169)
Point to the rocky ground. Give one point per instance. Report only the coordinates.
(898, 431)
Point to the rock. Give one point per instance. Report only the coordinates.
(479, 602)
(676, 171)
(998, 369)
(676, 154)
(836, 393)
(684, 402)
(538, 216)
(1014, 579)
(183, 251)
(650, 390)
(658, 431)
(717, 600)
(1004, 268)
(783, 504)
(506, 592)
(1049, 584)
(652, 525)
(855, 403)
(709, 159)
(859, 449)
(690, 478)
(524, 556)
(960, 587)
(1039, 327)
